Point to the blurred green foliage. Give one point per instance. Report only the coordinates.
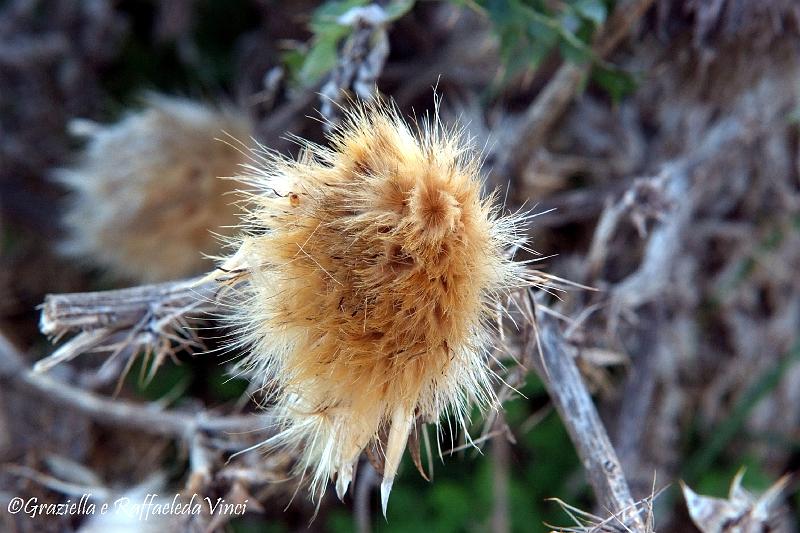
(203, 376)
(717, 481)
(308, 64)
(528, 31)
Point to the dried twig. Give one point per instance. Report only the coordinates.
(180, 425)
(361, 59)
(557, 369)
(653, 276)
(153, 317)
(367, 480)
(646, 198)
(501, 452)
(117, 309)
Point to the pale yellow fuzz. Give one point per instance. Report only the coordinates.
(368, 275)
(146, 194)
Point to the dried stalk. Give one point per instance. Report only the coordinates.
(117, 309)
(15, 373)
(563, 381)
(114, 311)
(501, 474)
(150, 316)
(360, 63)
(367, 480)
(646, 198)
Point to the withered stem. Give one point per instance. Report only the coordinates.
(564, 383)
(182, 425)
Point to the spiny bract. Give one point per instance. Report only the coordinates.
(146, 194)
(368, 273)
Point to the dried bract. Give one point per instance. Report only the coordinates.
(742, 512)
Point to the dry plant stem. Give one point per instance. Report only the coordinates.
(367, 479)
(576, 205)
(557, 369)
(501, 456)
(151, 315)
(553, 100)
(652, 278)
(117, 309)
(15, 373)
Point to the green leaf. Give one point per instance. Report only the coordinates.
(543, 32)
(325, 16)
(397, 9)
(574, 54)
(592, 10)
(568, 37)
(528, 31)
(309, 67)
(321, 58)
(616, 82)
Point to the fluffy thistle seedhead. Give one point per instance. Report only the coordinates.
(146, 194)
(369, 270)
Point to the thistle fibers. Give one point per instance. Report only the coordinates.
(365, 283)
(145, 194)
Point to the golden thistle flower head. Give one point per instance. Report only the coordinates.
(145, 193)
(369, 271)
